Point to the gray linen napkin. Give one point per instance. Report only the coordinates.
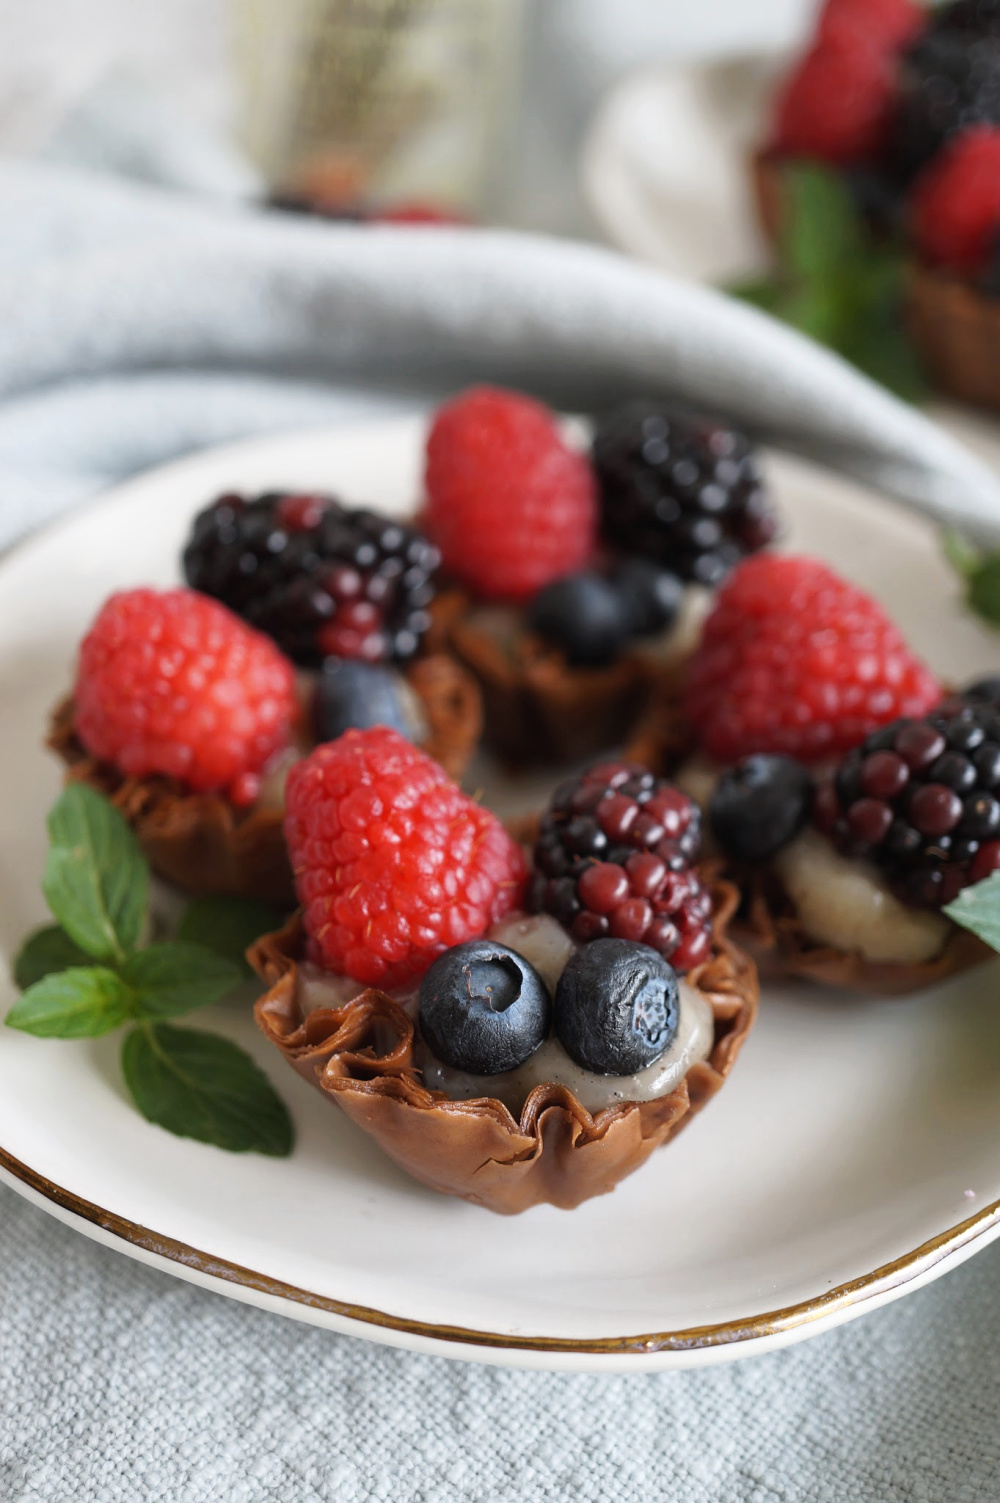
(99, 280)
(134, 326)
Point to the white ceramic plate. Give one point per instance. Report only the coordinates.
(851, 1157)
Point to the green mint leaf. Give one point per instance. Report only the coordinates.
(963, 556)
(174, 978)
(228, 926)
(983, 592)
(978, 908)
(201, 1086)
(45, 951)
(763, 292)
(878, 346)
(79, 1003)
(821, 227)
(96, 879)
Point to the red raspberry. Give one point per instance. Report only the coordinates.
(794, 659)
(510, 505)
(393, 862)
(884, 24)
(835, 105)
(955, 204)
(174, 683)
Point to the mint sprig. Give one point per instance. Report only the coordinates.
(88, 975)
(838, 282)
(977, 908)
(96, 880)
(980, 573)
(202, 1086)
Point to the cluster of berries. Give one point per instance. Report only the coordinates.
(597, 549)
(906, 99)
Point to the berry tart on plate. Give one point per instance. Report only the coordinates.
(902, 101)
(505, 1037)
(191, 705)
(850, 797)
(583, 577)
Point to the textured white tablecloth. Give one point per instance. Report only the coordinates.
(134, 326)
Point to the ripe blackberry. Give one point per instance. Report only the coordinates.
(320, 579)
(613, 859)
(685, 491)
(949, 80)
(921, 798)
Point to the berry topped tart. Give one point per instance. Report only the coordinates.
(509, 1031)
(583, 576)
(850, 796)
(900, 100)
(303, 618)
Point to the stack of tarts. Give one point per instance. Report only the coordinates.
(521, 1015)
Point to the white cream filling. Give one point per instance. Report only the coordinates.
(844, 903)
(550, 1062)
(539, 940)
(697, 778)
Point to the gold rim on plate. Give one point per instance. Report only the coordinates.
(772, 1322)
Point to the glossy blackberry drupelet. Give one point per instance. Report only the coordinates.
(948, 80)
(684, 491)
(483, 1008)
(759, 806)
(613, 859)
(318, 578)
(617, 1007)
(921, 798)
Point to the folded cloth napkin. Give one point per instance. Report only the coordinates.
(135, 325)
(101, 281)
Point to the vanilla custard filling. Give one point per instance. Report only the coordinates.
(843, 902)
(550, 1062)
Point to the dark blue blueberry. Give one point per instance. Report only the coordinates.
(585, 616)
(617, 1006)
(652, 596)
(759, 805)
(354, 694)
(483, 1008)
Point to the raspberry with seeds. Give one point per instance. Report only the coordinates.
(173, 683)
(613, 858)
(884, 24)
(795, 660)
(510, 505)
(393, 863)
(836, 104)
(955, 207)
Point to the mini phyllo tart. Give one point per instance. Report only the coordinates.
(189, 719)
(504, 1056)
(850, 799)
(585, 575)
